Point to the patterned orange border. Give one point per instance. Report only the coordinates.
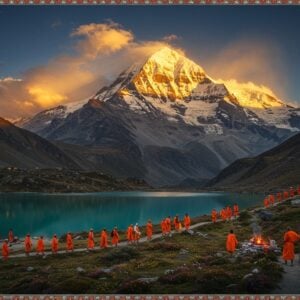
(149, 2)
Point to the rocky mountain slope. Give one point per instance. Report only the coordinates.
(167, 121)
(275, 168)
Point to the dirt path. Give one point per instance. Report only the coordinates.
(290, 281)
(122, 244)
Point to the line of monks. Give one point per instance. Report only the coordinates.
(133, 233)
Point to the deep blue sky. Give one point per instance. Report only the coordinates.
(30, 36)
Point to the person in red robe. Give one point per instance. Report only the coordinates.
(54, 244)
(231, 242)
(187, 221)
(115, 237)
(285, 195)
(163, 226)
(223, 214)
(27, 244)
(40, 247)
(214, 215)
(289, 239)
(91, 241)
(130, 234)
(168, 225)
(279, 197)
(228, 213)
(136, 233)
(149, 230)
(69, 240)
(271, 199)
(5, 250)
(176, 223)
(235, 210)
(11, 236)
(266, 202)
(103, 239)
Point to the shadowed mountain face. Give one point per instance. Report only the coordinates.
(167, 121)
(25, 149)
(275, 168)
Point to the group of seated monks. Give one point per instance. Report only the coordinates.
(280, 196)
(133, 233)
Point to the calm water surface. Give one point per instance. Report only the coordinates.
(58, 213)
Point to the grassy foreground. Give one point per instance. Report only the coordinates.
(182, 263)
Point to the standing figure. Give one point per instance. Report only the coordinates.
(91, 241)
(40, 247)
(163, 226)
(103, 239)
(149, 230)
(168, 225)
(70, 245)
(27, 244)
(176, 223)
(187, 221)
(231, 242)
(5, 250)
(266, 202)
(290, 238)
(214, 215)
(223, 214)
(235, 210)
(54, 244)
(136, 233)
(130, 234)
(11, 237)
(285, 195)
(115, 237)
(279, 197)
(228, 213)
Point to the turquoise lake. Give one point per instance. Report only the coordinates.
(58, 213)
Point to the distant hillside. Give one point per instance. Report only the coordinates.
(278, 167)
(23, 149)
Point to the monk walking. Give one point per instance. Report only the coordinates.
(214, 215)
(54, 244)
(103, 239)
(187, 221)
(163, 226)
(285, 195)
(40, 248)
(176, 223)
(266, 202)
(168, 225)
(279, 197)
(271, 199)
(231, 242)
(70, 245)
(91, 241)
(11, 237)
(5, 250)
(235, 210)
(223, 214)
(290, 238)
(136, 233)
(130, 234)
(115, 237)
(228, 213)
(27, 244)
(149, 230)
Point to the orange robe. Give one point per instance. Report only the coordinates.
(266, 202)
(10, 236)
(292, 192)
(214, 215)
(115, 237)
(91, 242)
(223, 214)
(231, 242)
(149, 230)
(236, 210)
(130, 234)
(5, 250)
(163, 227)
(54, 244)
(27, 244)
(271, 199)
(136, 233)
(40, 248)
(290, 237)
(70, 245)
(176, 223)
(187, 222)
(228, 213)
(103, 239)
(168, 225)
(279, 197)
(285, 195)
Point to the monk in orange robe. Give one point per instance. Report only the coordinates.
(54, 244)
(187, 221)
(91, 241)
(228, 213)
(285, 195)
(235, 210)
(214, 215)
(266, 202)
(231, 242)
(149, 230)
(168, 225)
(5, 250)
(103, 239)
(70, 245)
(288, 253)
(292, 192)
(136, 233)
(163, 226)
(40, 248)
(11, 237)
(271, 199)
(176, 223)
(115, 237)
(279, 197)
(130, 234)
(27, 244)
(223, 214)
